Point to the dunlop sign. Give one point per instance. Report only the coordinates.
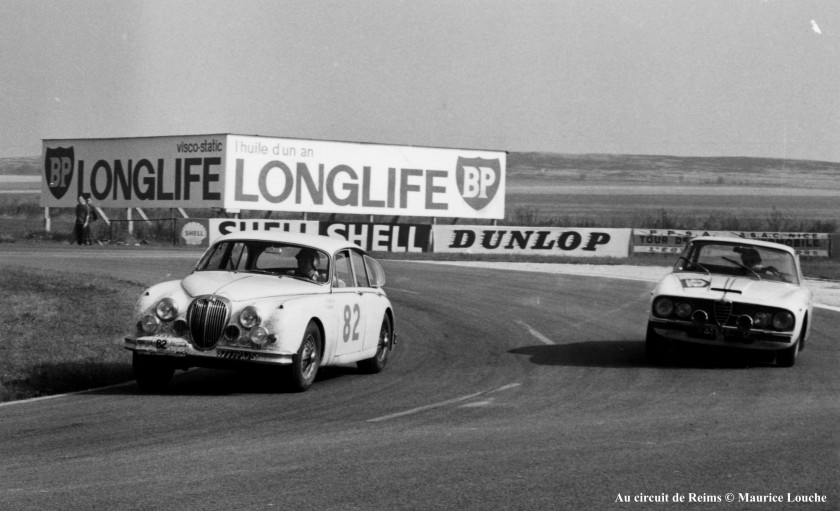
(554, 241)
(258, 173)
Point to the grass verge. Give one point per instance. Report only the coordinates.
(60, 333)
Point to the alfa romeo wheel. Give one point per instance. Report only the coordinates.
(787, 356)
(655, 347)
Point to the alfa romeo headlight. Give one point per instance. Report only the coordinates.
(166, 309)
(663, 307)
(762, 319)
(684, 310)
(783, 320)
(249, 317)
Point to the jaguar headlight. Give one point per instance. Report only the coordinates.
(166, 309)
(149, 324)
(259, 336)
(249, 317)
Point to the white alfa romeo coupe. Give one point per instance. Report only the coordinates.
(735, 293)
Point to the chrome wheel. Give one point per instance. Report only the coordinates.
(306, 362)
(309, 358)
(377, 363)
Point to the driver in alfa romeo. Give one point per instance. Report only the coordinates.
(752, 260)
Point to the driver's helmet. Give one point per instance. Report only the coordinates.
(750, 256)
(307, 255)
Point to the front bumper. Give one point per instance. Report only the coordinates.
(177, 347)
(714, 335)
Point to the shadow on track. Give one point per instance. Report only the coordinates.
(221, 382)
(587, 354)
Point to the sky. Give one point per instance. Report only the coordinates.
(754, 78)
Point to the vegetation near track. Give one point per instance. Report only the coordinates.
(57, 334)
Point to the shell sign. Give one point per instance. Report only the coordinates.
(194, 233)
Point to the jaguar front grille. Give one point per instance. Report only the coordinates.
(207, 318)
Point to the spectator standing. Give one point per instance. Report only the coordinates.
(92, 217)
(82, 220)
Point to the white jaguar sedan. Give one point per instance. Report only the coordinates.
(734, 293)
(294, 301)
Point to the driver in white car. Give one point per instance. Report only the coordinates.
(307, 260)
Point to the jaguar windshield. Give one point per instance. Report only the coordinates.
(268, 258)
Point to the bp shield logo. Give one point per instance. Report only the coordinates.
(58, 170)
(478, 180)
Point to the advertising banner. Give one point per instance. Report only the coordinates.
(221, 226)
(341, 177)
(237, 173)
(193, 232)
(674, 240)
(571, 242)
(154, 172)
(382, 237)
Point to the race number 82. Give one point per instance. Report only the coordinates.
(351, 328)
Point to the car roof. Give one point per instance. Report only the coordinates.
(324, 243)
(744, 241)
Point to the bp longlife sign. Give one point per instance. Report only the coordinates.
(275, 174)
(160, 172)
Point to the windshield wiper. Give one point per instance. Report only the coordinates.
(691, 263)
(742, 265)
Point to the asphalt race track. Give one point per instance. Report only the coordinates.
(507, 390)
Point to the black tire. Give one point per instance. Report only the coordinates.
(306, 362)
(656, 349)
(153, 373)
(787, 356)
(377, 362)
(802, 334)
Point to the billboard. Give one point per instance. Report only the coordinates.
(156, 172)
(237, 172)
(674, 240)
(382, 237)
(218, 227)
(570, 242)
(328, 177)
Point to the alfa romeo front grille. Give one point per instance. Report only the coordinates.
(722, 309)
(207, 318)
